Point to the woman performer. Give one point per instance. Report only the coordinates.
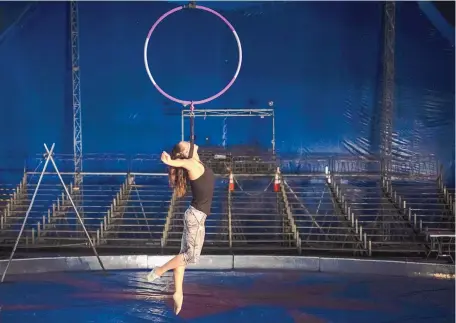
(181, 170)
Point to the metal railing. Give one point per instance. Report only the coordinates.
(420, 166)
(230, 224)
(289, 214)
(244, 220)
(352, 219)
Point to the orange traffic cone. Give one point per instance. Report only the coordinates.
(277, 181)
(231, 184)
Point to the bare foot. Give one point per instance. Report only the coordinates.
(178, 300)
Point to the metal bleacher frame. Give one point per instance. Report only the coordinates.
(152, 221)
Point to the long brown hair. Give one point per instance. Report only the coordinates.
(178, 176)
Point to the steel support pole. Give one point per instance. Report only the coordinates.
(273, 134)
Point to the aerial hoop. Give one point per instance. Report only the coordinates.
(146, 63)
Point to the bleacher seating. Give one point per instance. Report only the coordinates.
(361, 215)
(424, 199)
(93, 199)
(13, 218)
(140, 213)
(384, 223)
(6, 193)
(258, 216)
(431, 212)
(451, 191)
(48, 191)
(318, 217)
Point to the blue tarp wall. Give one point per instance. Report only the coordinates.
(319, 62)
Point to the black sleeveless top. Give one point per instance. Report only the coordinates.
(203, 191)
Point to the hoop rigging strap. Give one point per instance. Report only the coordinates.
(191, 5)
(192, 130)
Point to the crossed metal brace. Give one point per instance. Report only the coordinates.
(48, 155)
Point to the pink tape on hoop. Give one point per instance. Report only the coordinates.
(209, 98)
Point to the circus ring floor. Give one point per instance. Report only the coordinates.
(282, 294)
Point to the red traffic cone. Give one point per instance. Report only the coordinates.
(277, 181)
(231, 184)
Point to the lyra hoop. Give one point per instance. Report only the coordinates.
(215, 96)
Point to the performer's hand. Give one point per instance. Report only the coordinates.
(165, 158)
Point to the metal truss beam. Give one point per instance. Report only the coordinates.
(77, 118)
(387, 111)
(231, 113)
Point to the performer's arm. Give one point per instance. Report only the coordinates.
(185, 163)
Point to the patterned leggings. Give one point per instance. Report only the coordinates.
(193, 235)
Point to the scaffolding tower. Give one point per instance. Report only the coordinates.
(387, 109)
(77, 118)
